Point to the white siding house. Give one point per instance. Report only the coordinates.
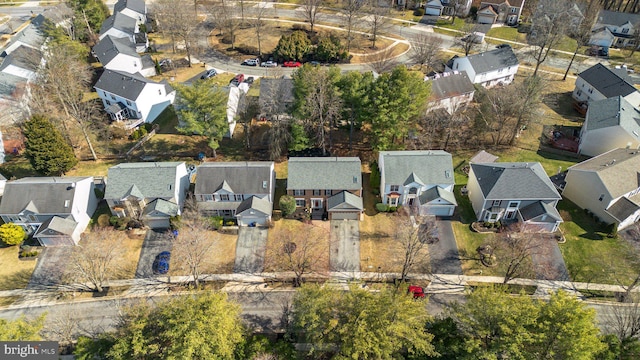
(489, 68)
(615, 29)
(119, 54)
(136, 9)
(451, 91)
(599, 82)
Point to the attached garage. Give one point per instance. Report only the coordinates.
(157, 215)
(254, 211)
(433, 7)
(487, 16)
(57, 231)
(344, 206)
(437, 201)
(438, 210)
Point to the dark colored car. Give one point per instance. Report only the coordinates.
(209, 74)
(292, 64)
(315, 63)
(417, 291)
(237, 80)
(249, 80)
(503, 46)
(161, 263)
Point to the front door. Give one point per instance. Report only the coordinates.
(411, 200)
(317, 203)
(510, 214)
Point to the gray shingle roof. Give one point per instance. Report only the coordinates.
(244, 177)
(514, 181)
(493, 59)
(161, 206)
(152, 180)
(539, 208)
(276, 93)
(255, 203)
(431, 166)
(607, 17)
(32, 34)
(324, 173)
(110, 47)
(514, 3)
(437, 192)
(451, 85)
(9, 84)
(120, 22)
(609, 82)
(23, 57)
(615, 111)
(56, 226)
(622, 209)
(483, 157)
(135, 5)
(344, 200)
(46, 194)
(128, 86)
(617, 169)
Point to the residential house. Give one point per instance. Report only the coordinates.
(54, 210)
(615, 29)
(152, 192)
(119, 54)
(509, 192)
(600, 82)
(451, 91)
(608, 186)
(489, 68)
(330, 187)
(276, 97)
(236, 189)
(32, 36)
(460, 7)
(132, 97)
(610, 124)
(22, 62)
(422, 180)
(123, 26)
(136, 9)
(483, 157)
(500, 11)
(433, 8)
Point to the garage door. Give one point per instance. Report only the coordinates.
(439, 210)
(338, 215)
(485, 19)
(158, 223)
(246, 220)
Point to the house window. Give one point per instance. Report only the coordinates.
(207, 197)
(32, 218)
(500, 70)
(590, 90)
(601, 197)
(514, 10)
(128, 102)
(239, 197)
(513, 204)
(625, 31)
(413, 190)
(159, 91)
(579, 92)
(317, 192)
(108, 102)
(493, 217)
(113, 97)
(496, 202)
(298, 192)
(327, 192)
(300, 202)
(224, 197)
(393, 201)
(395, 188)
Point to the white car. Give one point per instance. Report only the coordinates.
(251, 62)
(269, 63)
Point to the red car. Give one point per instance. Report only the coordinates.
(417, 291)
(292, 64)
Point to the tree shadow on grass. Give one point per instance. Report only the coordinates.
(17, 280)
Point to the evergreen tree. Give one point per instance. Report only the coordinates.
(46, 149)
(293, 47)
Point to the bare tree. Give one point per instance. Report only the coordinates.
(350, 11)
(311, 11)
(635, 40)
(455, 7)
(179, 22)
(248, 112)
(513, 252)
(192, 246)
(382, 61)
(413, 233)
(61, 16)
(259, 24)
(91, 262)
(468, 38)
(303, 250)
(425, 48)
(225, 15)
(582, 32)
(62, 327)
(378, 20)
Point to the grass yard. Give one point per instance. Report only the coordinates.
(317, 250)
(17, 166)
(14, 273)
(128, 263)
(468, 241)
(589, 254)
(507, 33)
(446, 23)
(92, 168)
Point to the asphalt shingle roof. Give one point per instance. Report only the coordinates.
(540, 208)
(47, 195)
(135, 5)
(162, 206)
(128, 86)
(9, 84)
(615, 111)
(622, 209)
(152, 180)
(245, 177)
(431, 166)
(23, 57)
(607, 17)
(618, 170)
(451, 85)
(110, 47)
(609, 82)
(119, 21)
(324, 173)
(514, 3)
(56, 226)
(493, 59)
(514, 181)
(344, 200)
(255, 203)
(483, 157)
(437, 192)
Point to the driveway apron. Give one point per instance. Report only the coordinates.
(444, 255)
(155, 242)
(345, 245)
(252, 243)
(51, 266)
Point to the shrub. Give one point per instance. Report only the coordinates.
(104, 220)
(12, 234)
(498, 224)
(380, 207)
(487, 224)
(418, 12)
(148, 127)
(393, 208)
(175, 222)
(375, 191)
(216, 222)
(229, 223)
(113, 220)
(122, 222)
(226, 39)
(374, 178)
(287, 205)
(138, 133)
(613, 230)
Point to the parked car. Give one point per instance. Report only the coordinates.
(269, 63)
(165, 63)
(417, 291)
(292, 64)
(501, 46)
(249, 80)
(251, 62)
(315, 63)
(209, 74)
(237, 80)
(161, 263)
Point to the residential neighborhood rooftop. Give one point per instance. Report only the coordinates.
(142, 180)
(493, 60)
(514, 181)
(613, 112)
(451, 84)
(43, 195)
(128, 86)
(135, 5)
(120, 22)
(609, 82)
(328, 173)
(424, 166)
(617, 18)
(618, 170)
(242, 177)
(110, 47)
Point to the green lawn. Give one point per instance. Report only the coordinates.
(507, 33)
(17, 167)
(167, 121)
(589, 254)
(458, 24)
(550, 162)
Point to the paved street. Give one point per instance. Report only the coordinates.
(443, 253)
(345, 246)
(154, 243)
(252, 242)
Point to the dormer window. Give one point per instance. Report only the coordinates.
(67, 203)
(170, 186)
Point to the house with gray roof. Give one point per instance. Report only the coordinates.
(615, 29)
(610, 124)
(421, 180)
(489, 68)
(54, 210)
(451, 91)
(514, 192)
(152, 192)
(31, 36)
(243, 190)
(132, 98)
(120, 25)
(276, 97)
(317, 184)
(136, 9)
(120, 54)
(23, 62)
(600, 82)
(500, 11)
(608, 186)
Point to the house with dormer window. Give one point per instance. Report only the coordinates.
(500, 11)
(514, 192)
(422, 180)
(54, 210)
(122, 26)
(151, 192)
(136, 9)
(242, 190)
(489, 68)
(120, 55)
(615, 29)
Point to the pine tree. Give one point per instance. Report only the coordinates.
(46, 149)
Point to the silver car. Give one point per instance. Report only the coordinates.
(269, 63)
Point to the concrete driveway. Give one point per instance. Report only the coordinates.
(155, 242)
(51, 267)
(345, 245)
(444, 255)
(252, 243)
